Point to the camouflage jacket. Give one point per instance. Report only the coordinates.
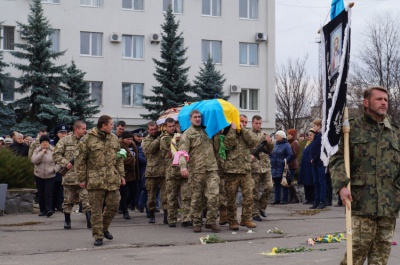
(196, 143)
(155, 158)
(33, 146)
(262, 165)
(374, 167)
(96, 161)
(64, 152)
(165, 147)
(238, 154)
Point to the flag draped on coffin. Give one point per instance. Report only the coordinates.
(335, 41)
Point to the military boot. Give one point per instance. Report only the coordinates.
(67, 223)
(248, 224)
(223, 217)
(88, 216)
(152, 217)
(234, 226)
(165, 221)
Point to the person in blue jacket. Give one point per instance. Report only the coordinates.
(282, 151)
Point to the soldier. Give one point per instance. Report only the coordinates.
(375, 183)
(154, 171)
(168, 145)
(120, 128)
(99, 166)
(202, 170)
(261, 170)
(36, 143)
(64, 153)
(237, 173)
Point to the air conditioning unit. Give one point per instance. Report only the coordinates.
(235, 89)
(261, 36)
(155, 38)
(116, 37)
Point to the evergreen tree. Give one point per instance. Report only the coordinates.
(79, 103)
(7, 114)
(40, 78)
(170, 73)
(209, 83)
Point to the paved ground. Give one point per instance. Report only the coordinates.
(137, 242)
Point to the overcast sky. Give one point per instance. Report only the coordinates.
(297, 23)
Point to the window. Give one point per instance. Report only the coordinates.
(8, 94)
(133, 4)
(94, 3)
(55, 40)
(248, 53)
(249, 99)
(176, 5)
(51, 1)
(248, 9)
(132, 46)
(211, 8)
(7, 38)
(211, 48)
(96, 92)
(91, 43)
(132, 94)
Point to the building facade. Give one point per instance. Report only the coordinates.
(114, 42)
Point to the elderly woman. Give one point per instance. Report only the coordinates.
(282, 152)
(45, 171)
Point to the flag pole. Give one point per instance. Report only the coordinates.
(349, 232)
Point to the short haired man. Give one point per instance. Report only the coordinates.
(261, 170)
(100, 169)
(36, 143)
(202, 171)
(155, 171)
(64, 155)
(375, 183)
(120, 128)
(19, 147)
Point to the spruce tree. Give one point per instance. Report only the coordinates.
(79, 102)
(209, 83)
(40, 80)
(7, 114)
(170, 72)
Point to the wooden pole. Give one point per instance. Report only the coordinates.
(349, 232)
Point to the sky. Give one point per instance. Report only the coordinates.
(298, 21)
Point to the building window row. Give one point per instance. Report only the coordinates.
(248, 9)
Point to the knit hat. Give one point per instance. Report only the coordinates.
(126, 134)
(43, 138)
(281, 134)
(293, 133)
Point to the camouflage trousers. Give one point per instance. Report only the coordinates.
(101, 219)
(176, 185)
(232, 184)
(222, 195)
(73, 194)
(263, 184)
(205, 194)
(372, 239)
(152, 185)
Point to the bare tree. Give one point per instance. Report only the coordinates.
(378, 63)
(293, 94)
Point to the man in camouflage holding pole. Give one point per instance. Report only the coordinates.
(99, 165)
(197, 161)
(63, 155)
(261, 171)
(375, 179)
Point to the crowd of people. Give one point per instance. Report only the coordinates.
(109, 171)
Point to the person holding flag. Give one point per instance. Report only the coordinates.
(375, 179)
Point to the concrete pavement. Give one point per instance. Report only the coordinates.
(30, 239)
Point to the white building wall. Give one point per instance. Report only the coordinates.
(112, 69)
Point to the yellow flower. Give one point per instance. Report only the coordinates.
(274, 250)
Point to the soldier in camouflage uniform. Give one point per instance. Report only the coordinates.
(202, 170)
(100, 169)
(375, 179)
(168, 145)
(237, 173)
(223, 211)
(261, 171)
(63, 155)
(155, 171)
(36, 143)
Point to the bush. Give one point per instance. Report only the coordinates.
(16, 171)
